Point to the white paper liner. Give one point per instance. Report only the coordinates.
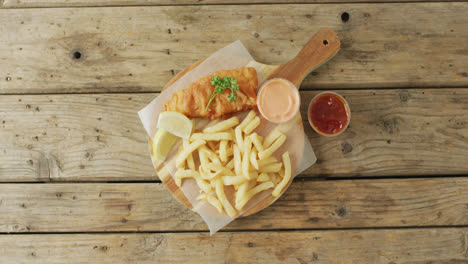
(232, 56)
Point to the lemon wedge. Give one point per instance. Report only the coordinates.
(175, 123)
(162, 144)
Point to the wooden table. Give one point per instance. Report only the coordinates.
(77, 181)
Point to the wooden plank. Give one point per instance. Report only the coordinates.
(444, 245)
(74, 137)
(91, 3)
(100, 138)
(397, 132)
(132, 207)
(141, 48)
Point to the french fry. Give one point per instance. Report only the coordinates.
(213, 184)
(231, 130)
(190, 162)
(250, 116)
(252, 125)
(270, 138)
(232, 154)
(257, 141)
(276, 178)
(246, 158)
(230, 164)
(252, 192)
(202, 197)
(178, 182)
(253, 158)
(203, 184)
(224, 201)
(207, 174)
(237, 160)
(273, 167)
(266, 161)
(287, 175)
(211, 137)
(211, 200)
(210, 155)
(182, 165)
(241, 191)
(271, 149)
(253, 175)
(187, 151)
(218, 169)
(223, 151)
(182, 174)
(263, 177)
(202, 156)
(233, 180)
(239, 138)
(223, 125)
(247, 144)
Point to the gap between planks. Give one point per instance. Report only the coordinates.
(193, 3)
(236, 230)
(370, 88)
(298, 178)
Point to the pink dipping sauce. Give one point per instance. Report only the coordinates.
(278, 100)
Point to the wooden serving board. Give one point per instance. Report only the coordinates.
(318, 50)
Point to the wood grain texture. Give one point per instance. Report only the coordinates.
(396, 132)
(146, 207)
(75, 137)
(445, 245)
(320, 48)
(92, 3)
(141, 48)
(100, 137)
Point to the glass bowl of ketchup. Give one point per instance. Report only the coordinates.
(329, 114)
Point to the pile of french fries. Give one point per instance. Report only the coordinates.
(228, 153)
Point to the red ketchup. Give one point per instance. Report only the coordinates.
(329, 114)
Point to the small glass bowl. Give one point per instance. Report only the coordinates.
(346, 105)
(296, 92)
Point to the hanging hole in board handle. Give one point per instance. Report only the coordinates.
(320, 48)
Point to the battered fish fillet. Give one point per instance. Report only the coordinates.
(193, 100)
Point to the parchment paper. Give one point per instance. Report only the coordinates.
(232, 56)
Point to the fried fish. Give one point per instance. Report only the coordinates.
(193, 100)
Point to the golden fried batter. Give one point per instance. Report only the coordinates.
(193, 100)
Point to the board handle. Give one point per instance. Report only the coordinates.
(320, 48)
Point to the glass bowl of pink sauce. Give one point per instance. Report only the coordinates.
(278, 100)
